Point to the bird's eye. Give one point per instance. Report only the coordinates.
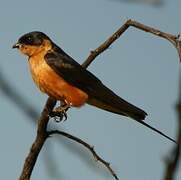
(29, 40)
(26, 40)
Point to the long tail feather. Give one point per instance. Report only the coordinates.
(156, 130)
(109, 101)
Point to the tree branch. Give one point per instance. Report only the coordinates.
(173, 160)
(42, 133)
(88, 146)
(39, 141)
(172, 38)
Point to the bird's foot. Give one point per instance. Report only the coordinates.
(60, 113)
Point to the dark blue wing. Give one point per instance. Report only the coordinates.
(71, 71)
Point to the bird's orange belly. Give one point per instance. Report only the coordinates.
(55, 86)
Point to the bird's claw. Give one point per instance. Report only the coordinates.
(60, 113)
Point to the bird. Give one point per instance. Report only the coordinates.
(61, 77)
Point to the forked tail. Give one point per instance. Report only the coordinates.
(156, 130)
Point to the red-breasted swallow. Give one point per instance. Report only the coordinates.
(61, 77)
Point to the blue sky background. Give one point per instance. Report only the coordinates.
(139, 67)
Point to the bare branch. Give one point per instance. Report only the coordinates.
(155, 3)
(173, 160)
(39, 141)
(88, 146)
(172, 38)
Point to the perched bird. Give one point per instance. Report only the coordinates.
(61, 77)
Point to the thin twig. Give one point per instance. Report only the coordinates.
(172, 38)
(88, 146)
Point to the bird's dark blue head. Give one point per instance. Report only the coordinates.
(33, 42)
(34, 38)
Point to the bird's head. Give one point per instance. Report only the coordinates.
(33, 43)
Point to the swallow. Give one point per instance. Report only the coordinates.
(62, 78)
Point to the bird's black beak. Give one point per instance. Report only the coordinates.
(17, 45)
